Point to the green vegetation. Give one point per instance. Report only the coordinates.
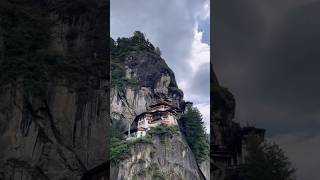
(145, 139)
(120, 50)
(118, 76)
(120, 149)
(158, 175)
(25, 56)
(24, 37)
(163, 131)
(193, 128)
(123, 46)
(266, 161)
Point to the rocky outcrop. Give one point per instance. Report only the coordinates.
(128, 103)
(223, 112)
(227, 137)
(155, 80)
(205, 168)
(225, 144)
(168, 158)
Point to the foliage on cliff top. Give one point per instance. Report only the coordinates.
(25, 38)
(193, 128)
(120, 149)
(138, 42)
(163, 130)
(120, 49)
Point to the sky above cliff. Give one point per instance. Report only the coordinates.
(181, 29)
(267, 53)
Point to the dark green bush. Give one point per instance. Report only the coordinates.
(163, 131)
(119, 150)
(265, 161)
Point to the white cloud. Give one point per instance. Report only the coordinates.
(171, 25)
(168, 24)
(197, 86)
(199, 57)
(200, 53)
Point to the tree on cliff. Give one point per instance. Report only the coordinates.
(158, 51)
(266, 161)
(194, 131)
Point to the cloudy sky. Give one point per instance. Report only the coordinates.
(267, 53)
(181, 29)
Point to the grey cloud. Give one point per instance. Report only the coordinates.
(200, 83)
(278, 72)
(267, 54)
(168, 24)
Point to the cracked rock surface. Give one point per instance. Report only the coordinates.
(57, 137)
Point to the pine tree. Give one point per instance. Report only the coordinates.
(194, 131)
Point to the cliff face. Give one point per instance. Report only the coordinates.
(155, 80)
(225, 138)
(60, 133)
(59, 137)
(171, 159)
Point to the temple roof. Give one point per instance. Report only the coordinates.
(153, 112)
(173, 109)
